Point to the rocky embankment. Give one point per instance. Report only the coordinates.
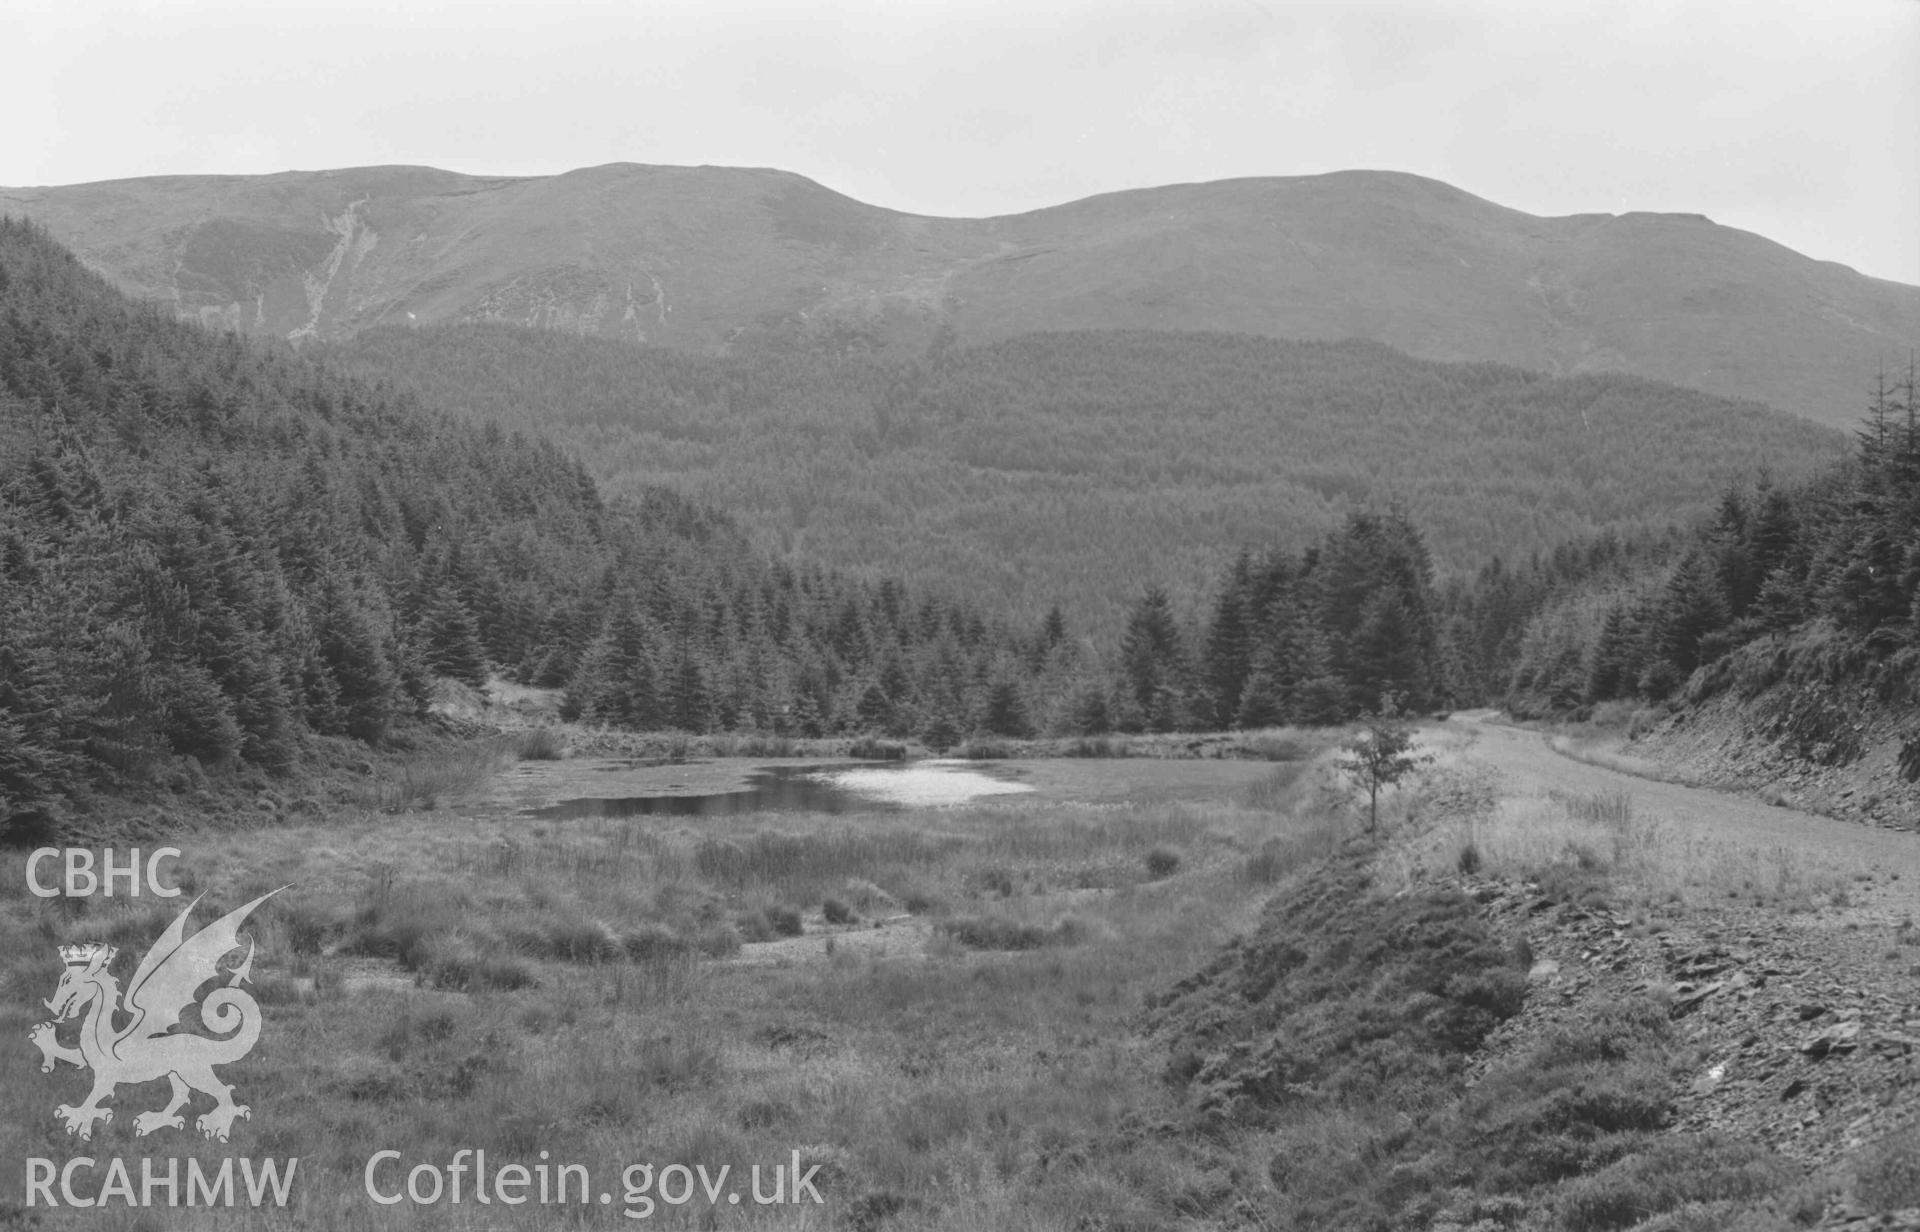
(1843, 757)
(1803, 1029)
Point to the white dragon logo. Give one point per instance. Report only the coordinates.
(147, 1046)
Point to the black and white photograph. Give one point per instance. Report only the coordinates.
(960, 615)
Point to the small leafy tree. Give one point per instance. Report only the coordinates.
(1379, 755)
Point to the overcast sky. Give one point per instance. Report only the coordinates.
(1798, 119)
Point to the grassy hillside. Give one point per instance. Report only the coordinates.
(715, 259)
(1442, 274)
(1077, 467)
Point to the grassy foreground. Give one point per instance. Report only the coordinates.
(939, 1009)
(1221, 1011)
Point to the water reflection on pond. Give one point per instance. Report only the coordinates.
(813, 789)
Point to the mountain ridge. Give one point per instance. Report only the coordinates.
(727, 259)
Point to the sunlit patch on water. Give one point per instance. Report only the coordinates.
(924, 784)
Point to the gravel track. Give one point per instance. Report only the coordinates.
(1530, 767)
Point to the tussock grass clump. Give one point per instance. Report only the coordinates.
(1285, 854)
(1581, 880)
(308, 925)
(1286, 790)
(1694, 1172)
(579, 940)
(430, 780)
(621, 1087)
(676, 1062)
(540, 744)
(870, 748)
(403, 935)
(864, 896)
(754, 927)
(996, 880)
(1267, 865)
(653, 941)
(1612, 809)
(1887, 1174)
(456, 964)
(995, 932)
(784, 921)
(409, 1028)
(919, 902)
(1162, 861)
(992, 932)
(767, 1114)
(429, 941)
(718, 941)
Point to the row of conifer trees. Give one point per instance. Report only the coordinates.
(214, 553)
(1823, 574)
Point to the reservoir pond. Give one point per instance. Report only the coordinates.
(865, 787)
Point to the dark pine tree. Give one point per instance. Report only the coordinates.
(1006, 711)
(1151, 661)
(1229, 642)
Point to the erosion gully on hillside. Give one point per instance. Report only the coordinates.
(1785, 942)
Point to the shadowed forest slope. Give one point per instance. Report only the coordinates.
(1076, 467)
(214, 554)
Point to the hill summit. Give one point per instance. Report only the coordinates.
(725, 259)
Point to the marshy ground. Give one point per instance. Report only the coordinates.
(1029, 1010)
(931, 1002)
